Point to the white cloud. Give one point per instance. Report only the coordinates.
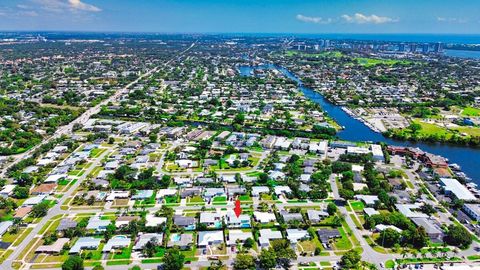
(21, 6)
(60, 6)
(77, 4)
(360, 18)
(28, 13)
(451, 20)
(317, 20)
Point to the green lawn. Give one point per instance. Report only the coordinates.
(96, 152)
(389, 264)
(343, 243)
(152, 261)
(220, 199)
(74, 172)
(172, 199)
(63, 182)
(333, 54)
(196, 199)
(244, 198)
(124, 254)
(370, 62)
(474, 257)
(357, 206)
(119, 262)
(470, 111)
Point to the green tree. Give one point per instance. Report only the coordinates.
(73, 263)
(173, 259)
(284, 252)
(458, 236)
(239, 119)
(109, 231)
(267, 258)
(40, 210)
(249, 242)
(216, 265)
(347, 194)
(388, 238)
(350, 259)
(415, 127)
(20, 192)
(331, 208)
(244, 261)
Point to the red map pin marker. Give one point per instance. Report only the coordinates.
(238, 208)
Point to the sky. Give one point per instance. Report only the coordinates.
(244, 16)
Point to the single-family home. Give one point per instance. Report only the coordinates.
(210, 238)
(237, 236)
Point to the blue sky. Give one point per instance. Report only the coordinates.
(253, 16)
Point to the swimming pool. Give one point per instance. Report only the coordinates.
(176, 237)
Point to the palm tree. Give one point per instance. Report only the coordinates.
(424, 254)
(414, 253)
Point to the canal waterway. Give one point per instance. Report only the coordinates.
(354, 130)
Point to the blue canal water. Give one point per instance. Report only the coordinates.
(354, 130)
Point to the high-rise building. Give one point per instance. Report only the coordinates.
(438, 47)
(425, 48)
(413, 48)
(327, 43)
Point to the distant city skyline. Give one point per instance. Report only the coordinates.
(247, 16)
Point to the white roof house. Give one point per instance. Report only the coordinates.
(266, 235)
(34, 200)
(264, 217)
(7, 190)
(377, 152)
(367, 199)
(85, 243)
(295, 235)
(382, 227)
(210, 218)
(453, 187)
(279, 190)
(238, 235)
(407, 210)
(118, 194)
(321, 147)
(116, 242)
(143, 194)
(257, 190)
(166, 192)
(54, 178)
(276, 175)
(143, 239)
(98, 224)
(370, 211)
(357, 150)
(207, 238)
(153, 221)
(4, 226)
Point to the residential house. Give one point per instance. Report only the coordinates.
(210, 238)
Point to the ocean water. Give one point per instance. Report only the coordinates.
(463, 54)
